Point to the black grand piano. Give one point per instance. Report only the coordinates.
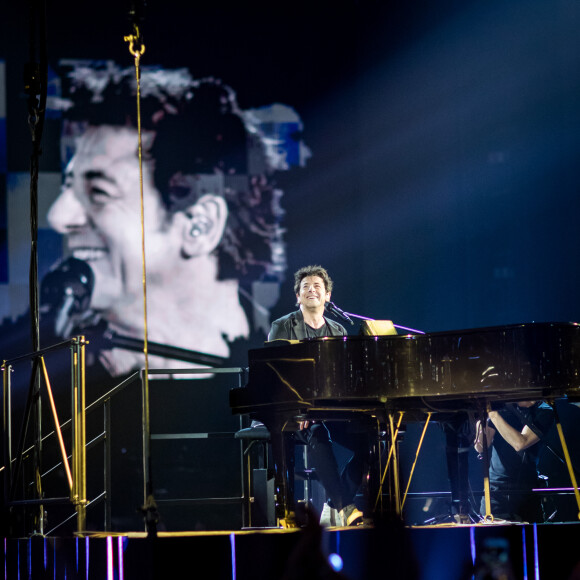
(373, 377)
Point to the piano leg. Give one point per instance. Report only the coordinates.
(567, 456)
(372, 486)
(283, 457)
(488, 516)
(384, 477)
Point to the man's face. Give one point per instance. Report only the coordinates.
(99, 212)
(313, 293)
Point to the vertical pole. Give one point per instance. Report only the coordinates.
(488, 517)
(567, 456)
(74, 426)
(107, 461)
(147, 486)
(7, 426)
(395, 454)
(79, 431)
(35, 86)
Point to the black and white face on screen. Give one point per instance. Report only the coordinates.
(213, 238)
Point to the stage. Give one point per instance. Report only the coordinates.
(445, 551)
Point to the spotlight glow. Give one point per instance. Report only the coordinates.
(335, 562)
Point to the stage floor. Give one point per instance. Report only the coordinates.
(389, 550)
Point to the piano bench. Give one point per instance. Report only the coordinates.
(258, 433)
(259, 482)
(312, 491)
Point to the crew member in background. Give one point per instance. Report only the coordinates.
(515, 436)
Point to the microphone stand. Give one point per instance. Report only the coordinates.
(163, 350)
(334, 309)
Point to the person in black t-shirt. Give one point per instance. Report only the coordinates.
(515, 438)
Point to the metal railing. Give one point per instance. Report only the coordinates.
(13, 459)
(73, 463)
(150, 502)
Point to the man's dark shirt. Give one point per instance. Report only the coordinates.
(509, 467)
(293, 327)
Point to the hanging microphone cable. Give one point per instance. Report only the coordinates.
(137, 48)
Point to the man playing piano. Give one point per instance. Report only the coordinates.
(312, 286)
(515, 437)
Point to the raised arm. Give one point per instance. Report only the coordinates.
(519, 440)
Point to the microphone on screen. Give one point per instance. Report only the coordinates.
(65, 294)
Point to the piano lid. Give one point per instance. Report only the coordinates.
(520, 361)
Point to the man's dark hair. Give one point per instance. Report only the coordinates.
(200, 131)
(312, 271)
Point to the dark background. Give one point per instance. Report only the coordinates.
(443, 188)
